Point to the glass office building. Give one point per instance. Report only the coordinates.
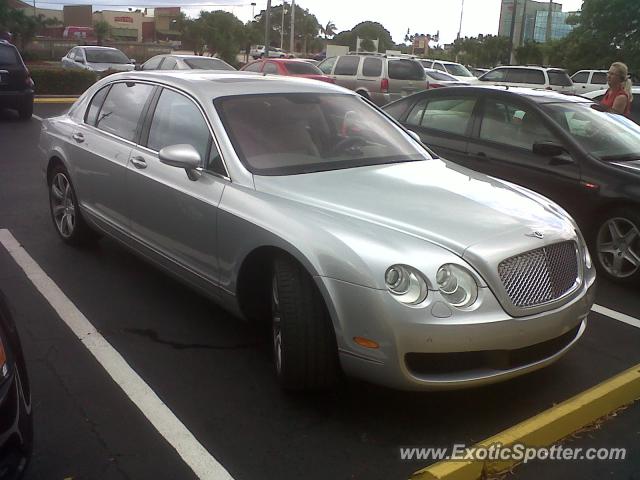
(559, 27)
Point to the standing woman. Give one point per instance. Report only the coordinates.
(618, 97)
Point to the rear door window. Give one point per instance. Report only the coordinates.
(581, 77)
(95, 106)
(525, 75)
(254, 67)
(372, 67)
(169, 64)
(270, 67)
(327, 65)
(450, 115)
(599, 78)
(405, 70)
(152, 64)
(559, 78)
(347, 65)
(498, 75)
(120, 114)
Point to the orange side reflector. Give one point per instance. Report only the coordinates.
(365, 342)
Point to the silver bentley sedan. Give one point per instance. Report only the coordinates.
(299, 203)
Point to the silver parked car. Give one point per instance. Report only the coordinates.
(97, 59)
(185, 62)
(297, 202)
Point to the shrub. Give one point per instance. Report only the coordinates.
(61, 81)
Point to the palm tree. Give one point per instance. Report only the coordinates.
(329, 30)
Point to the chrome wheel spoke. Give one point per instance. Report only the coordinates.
(632, 257)
(631, 236)
(607, 248)
(58, 210)
(616, 266)
(69, 223)
(614, 230)
(57, 192)
(276, 325)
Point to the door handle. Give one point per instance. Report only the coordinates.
(139, 162)
(78, 137)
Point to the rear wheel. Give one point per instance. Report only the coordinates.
(617, 245)
(304, 344)
(65, 212)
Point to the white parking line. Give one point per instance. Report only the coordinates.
(37, 117)
(151, 406)
(621, 317)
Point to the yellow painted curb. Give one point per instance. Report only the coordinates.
(55, 100)
(545, 429)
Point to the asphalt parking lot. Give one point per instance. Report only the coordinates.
(214, 372)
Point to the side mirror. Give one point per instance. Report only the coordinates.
(548, 149)
(182, 156)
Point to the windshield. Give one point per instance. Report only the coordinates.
(293, 133)
(441, 76)
(95, 55)
(207, 64)
(8, 55)
(457, 70)
(607, 136)
(302, 68)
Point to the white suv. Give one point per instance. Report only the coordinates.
(589, 80)
(529, 77)
(460, 72)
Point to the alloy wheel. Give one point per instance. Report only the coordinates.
(619, 247)
(63, 205)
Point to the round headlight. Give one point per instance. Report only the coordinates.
(406, 284)
(457, 285)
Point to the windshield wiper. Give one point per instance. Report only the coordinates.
(626, 157)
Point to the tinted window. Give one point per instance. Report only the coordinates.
(372, 67)
(152, 64)
(439, 66)
(99, 55)
(347, 65)
(441, 76)
(560, 78)
(396, 109)
(302, 68)
(121, 110)
(582, 77)
(270, 68)
(448, 115)
(286, 134)
(96, 105)
(512, 125)
(169, 64)
(525, 75)
(498, 75)
(327, 65)
(416, 113)
(405, 70)
(458, 70)
(177, 120)
(599, 78)
(203, 63)
(253, 67)
(8, 55)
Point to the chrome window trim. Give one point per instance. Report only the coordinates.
(177, 90)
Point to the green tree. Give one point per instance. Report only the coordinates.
(24, 27)
(328, 30)
(530, 53)
(102, 29)
(366, 30)
(223, 33)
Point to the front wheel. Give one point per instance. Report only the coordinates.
(304, 344)
(618, 245)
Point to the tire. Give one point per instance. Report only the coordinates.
(616, 245)
(363, 94)
(64, 209)
(26, 110)
(304, 344)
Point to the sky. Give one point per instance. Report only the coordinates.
(419, 16)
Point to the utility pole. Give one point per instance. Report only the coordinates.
(293, 17)
(267, 30)
(523, 24)
(35, 10)
(253, 11)
(513, 28)
(460, 26)
(284, 4)
(548, 36)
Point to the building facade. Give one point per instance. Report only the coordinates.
(559, 26)
(526, 18)
(125, 25)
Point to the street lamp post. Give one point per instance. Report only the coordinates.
(253, 11)
(293, 16)
(267, 30)
(284, 4)
(460, 26)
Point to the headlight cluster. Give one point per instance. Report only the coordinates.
(585, 249)
(457, 285)
(406, 284)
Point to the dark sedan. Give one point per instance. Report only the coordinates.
(16, 422)
(564, 147)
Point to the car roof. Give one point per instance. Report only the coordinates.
(531, 67)
(537, 96)
(95, 47)
(226, 83)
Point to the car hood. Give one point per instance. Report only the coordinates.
(120, 67)
(435, 200)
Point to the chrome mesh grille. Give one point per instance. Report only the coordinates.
(540, 276)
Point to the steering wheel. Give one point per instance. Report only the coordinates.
(347, 143)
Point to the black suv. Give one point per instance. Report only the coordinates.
(16, 85)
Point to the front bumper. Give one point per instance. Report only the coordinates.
(436, 347)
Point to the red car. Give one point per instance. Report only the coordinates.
(287, 67)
